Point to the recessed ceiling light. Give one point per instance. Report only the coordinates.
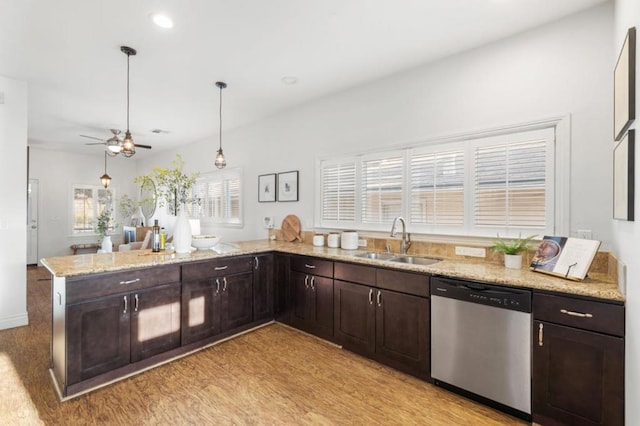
(163, 21)
(289, 79)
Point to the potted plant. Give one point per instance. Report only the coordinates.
(512, 250)
(173, 188)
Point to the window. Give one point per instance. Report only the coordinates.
(220, 198)
(477, 185)
(87, 204)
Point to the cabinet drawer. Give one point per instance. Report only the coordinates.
(404, 282)
(585, 314)
(355, 273)
(216, 268)
(312, 265)
(98, 285)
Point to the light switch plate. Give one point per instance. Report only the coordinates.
(622, 277)
(471, 251)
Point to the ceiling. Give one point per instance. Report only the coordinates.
(69, 53)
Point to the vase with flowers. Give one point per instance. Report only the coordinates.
(174, 191)
(103, 227)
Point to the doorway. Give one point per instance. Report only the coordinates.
(32, 222)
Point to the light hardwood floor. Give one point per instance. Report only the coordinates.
(272, 376)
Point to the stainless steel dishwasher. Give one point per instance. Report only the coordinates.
(481, 342)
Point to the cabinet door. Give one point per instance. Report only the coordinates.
(237, 300)
(320, 306)
(155, 321)
(299, 300)
(281, 288)
(402, 332)
(354, 317)
(263, 287)
(200, 310)
(578, 376)
(98, 337)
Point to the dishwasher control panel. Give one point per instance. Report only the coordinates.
(482, 293)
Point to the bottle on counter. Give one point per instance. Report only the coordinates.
(155, 244)
(163, 239)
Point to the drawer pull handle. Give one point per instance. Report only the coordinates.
(59, 298)
(576, 314)
(221, 268)
(257, 262)
(540, 335)
(135, 297)
(309, 266)
(129, 281)
(125, 304)
(217, 285)
(224, 286)
(312, 285)
(306, 281)
(371, 296)
(379, 298)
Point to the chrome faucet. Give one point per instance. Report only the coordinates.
(406, 237)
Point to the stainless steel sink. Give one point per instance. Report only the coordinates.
(375, 256)
(414, 260)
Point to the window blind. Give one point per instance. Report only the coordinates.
(338, 191)
(436, 190)
(382, 189)
(219, 195)
(510, 185)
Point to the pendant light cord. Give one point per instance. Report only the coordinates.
(128, 56)
(105, 162)
(220, 116)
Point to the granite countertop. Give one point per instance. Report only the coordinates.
(596, 285)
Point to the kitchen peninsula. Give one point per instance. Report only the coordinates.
(118, 314)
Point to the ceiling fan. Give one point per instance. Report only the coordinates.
(114, 143)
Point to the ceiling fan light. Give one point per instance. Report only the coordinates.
(220, 162)
(128, 147)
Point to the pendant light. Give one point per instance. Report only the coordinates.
(128, 147)
(220, 162)
(105, 178)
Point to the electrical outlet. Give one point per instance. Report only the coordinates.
(584, 234)
(471, 251)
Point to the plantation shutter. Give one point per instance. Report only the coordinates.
(437, 188)
(338, 191)
(219, 196)
(511, 184)
(382, 190)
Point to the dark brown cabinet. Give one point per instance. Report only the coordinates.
(311, 283)
(217, 296)
(578, 361)
(388, 326)
(110, 332)
(281, 288)
(263, 270)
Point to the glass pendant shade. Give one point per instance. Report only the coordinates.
(220, 162)
(113, 145)
(128, 147)
(106, 180)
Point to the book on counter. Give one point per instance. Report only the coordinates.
(565, 257)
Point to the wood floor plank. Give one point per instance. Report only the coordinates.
(271, 376)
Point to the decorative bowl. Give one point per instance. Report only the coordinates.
(204, 242)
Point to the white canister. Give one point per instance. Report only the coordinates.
(349, 240)
(318, 240)
(333, 240)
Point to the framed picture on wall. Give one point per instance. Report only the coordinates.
(623, 177)
(288, 186)
(624, 86)
(267, 188)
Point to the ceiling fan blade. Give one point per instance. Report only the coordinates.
(142, 146)
(93, 137)
(95, 143)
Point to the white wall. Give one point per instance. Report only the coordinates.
(561, 68)
(57, 172)
(13, 208)
(626, 235)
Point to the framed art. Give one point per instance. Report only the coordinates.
(288, 186)
(624, 86)
(623, 177)
(267, 188)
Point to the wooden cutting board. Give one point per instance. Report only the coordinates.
(290, 228)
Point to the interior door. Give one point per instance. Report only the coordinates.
(32, 222)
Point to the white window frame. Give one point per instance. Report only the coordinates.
(558, 168)
(94, 188)
(217, 177)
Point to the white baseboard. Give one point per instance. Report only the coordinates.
(14, 321)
